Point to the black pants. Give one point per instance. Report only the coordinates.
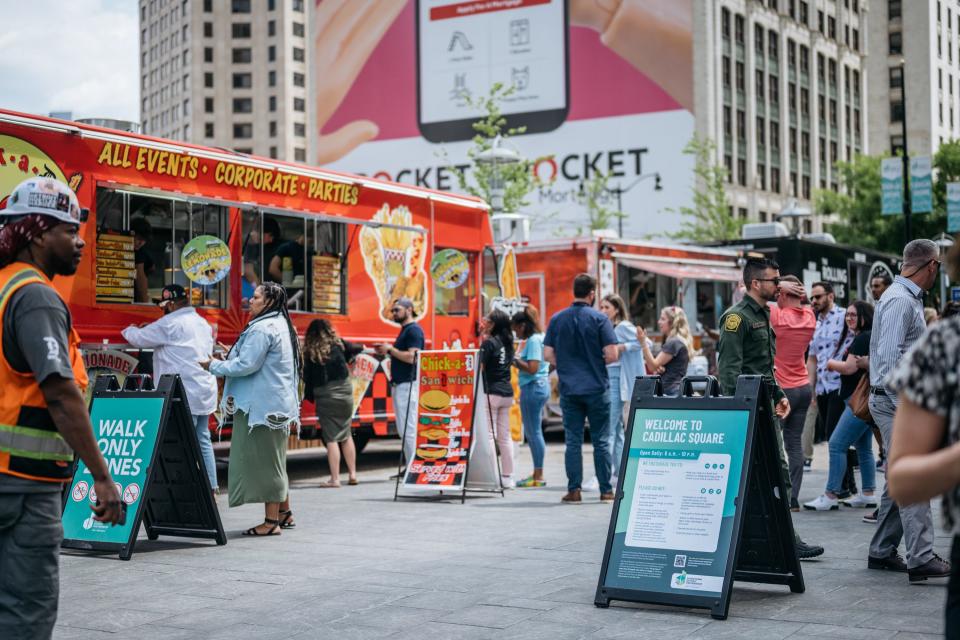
(953, 594)
(829, 409)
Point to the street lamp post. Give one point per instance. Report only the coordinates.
(619, 191)
(907, 209)
(496, 157)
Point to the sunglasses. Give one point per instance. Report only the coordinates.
(775, 281)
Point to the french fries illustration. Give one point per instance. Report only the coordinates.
(394, 260)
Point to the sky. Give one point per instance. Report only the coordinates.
(70, 55)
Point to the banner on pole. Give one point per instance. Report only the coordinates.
(921, 185)
(953, 207)
(891, 185)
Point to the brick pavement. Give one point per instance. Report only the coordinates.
(360, 566)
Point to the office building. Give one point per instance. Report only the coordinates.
(780, 88)
(227, 73)
(917, 42)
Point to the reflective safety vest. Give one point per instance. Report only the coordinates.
(30, 445)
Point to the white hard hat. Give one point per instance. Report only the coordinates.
(44, 196)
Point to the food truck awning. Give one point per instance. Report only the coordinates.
(692, 270)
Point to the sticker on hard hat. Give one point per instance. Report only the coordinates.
(56, 201)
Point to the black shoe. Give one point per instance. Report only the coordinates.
(806, 551)
(893, 562)
(936, 567)
(794, 505)
(843, 495)
(871, 518)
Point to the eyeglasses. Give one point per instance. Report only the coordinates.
(396, 310)
(775, 281)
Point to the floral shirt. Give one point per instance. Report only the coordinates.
(824, 346)
(929, 376)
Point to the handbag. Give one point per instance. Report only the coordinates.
(860, 399)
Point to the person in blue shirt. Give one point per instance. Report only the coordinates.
(534, 381)
(403, 374)
(580, 342)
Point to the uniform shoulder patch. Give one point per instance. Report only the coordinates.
(732, 323)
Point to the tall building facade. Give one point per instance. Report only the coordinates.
(779, 86)
(227, 73)
(915, 52)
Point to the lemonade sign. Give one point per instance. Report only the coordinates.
(205, 260)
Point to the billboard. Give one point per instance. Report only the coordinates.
(601, 87)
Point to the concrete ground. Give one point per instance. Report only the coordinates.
(360, 565)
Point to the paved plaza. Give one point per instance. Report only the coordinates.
(359, 565)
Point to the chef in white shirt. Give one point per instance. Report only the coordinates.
(181, 339)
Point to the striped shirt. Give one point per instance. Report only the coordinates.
(897, 324)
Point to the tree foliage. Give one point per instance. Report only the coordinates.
(709, 217)
(518, 178)
(595, 196)
(859, 221)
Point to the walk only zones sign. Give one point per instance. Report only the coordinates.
(454, 445)
(149, 442)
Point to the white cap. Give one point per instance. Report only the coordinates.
(44, 196)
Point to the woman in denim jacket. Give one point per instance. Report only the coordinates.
(262, 394)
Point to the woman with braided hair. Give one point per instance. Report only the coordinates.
(262, 393)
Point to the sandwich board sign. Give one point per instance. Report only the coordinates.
(701, 502)
(148, 439)
(451, 412)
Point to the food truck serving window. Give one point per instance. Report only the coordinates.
(140, 244)
(306, 254)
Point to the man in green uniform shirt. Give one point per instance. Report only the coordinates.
(747, 347)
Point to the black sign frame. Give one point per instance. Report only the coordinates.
(769, 509)
(176, 471)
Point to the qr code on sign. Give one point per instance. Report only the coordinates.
(680, 561)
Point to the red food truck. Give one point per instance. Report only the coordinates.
(217, 222)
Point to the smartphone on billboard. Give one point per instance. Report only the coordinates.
(464, 47)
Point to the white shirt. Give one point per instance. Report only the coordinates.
(181, 340)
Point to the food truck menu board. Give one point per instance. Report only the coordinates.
(115, 268)
(326, 284)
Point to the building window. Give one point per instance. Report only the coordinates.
(738, 27)
(271, 53)
(742, 212)
(773, 45)
(758, 39)
(207, 30)
(271, 5)
(856, 40)
(728, 165)
(208, 54)
(273, 128)
(271, 28)
(741, 124)
(299, 80)
(758, 81)
(242, 55)
(806, 187)
(775, 136)
(208, 130)
(741, 82)
(241, 30)
(242, 80)
(208, 105)
(299, 130)
(300, 155)
(896, 111)
(299, 104)
(894, 9)
(761, 132)
(896, 43)
(298, 54)
(244, 130)
(271, 78)
(775, 180)
(725, 22)
(243, 105)
(208, 80)
(298, 29)
(896, 77)
(208, 6)
(240, 6)
(727, 121)
(896, 144)
(273, 152)
(725, 66)
(272, 103)
(774, 85)
(741, 172)
(831, 27)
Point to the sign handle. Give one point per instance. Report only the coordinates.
(712, 389)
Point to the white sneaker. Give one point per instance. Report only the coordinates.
(508, 482)
(822, 503)
(592, 484)
(860, 501)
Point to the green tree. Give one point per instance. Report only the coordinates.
(858, 207)
(709, 217)
(595, 196)
(518, 178)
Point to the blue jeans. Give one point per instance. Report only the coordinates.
(576, 411)
(851, 430)
(206, 448)
(533, 397)
(616, 424)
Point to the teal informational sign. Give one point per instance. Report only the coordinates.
(891, 186)
(953, 207)
(921, 185)
(126, 431)
(674, 527)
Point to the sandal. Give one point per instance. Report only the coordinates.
(285, 519)
(252, 531)
(353, 482)
(329, 485)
